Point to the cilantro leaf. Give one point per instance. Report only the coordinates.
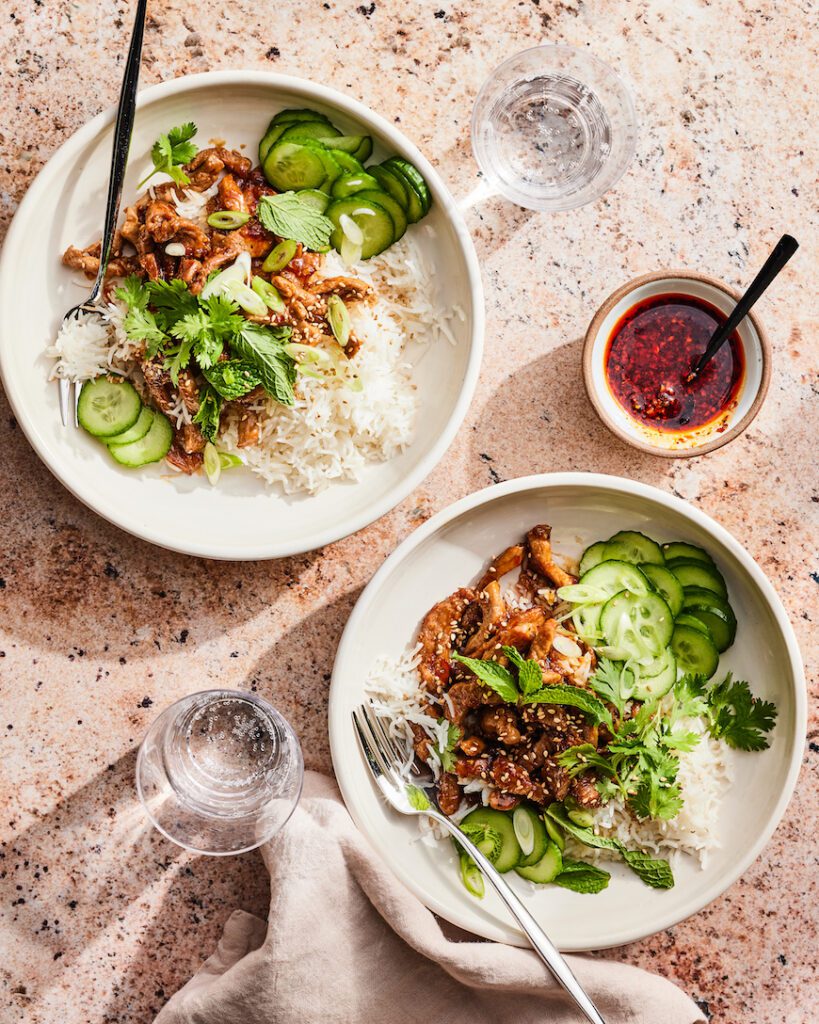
(232, 378)
(658, 794)
(264, 348)
(170, 151)
(574, 696)
(289, 216)
(580, 877)
(496, 677)
(177, 358)
(530, 674)
(613, 682)
(689, 697)
(207, 415)
(132, 292)
(738, 717)
(171, 301)
(140, 325)
(447, 754)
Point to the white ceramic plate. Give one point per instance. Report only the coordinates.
(241, 518)
(448, 552)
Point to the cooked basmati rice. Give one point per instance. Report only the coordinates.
(332, 432)
(705, 773)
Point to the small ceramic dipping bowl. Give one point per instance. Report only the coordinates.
(681, 442)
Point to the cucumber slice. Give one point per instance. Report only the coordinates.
(530, 833)
(555, 832)
(293, 114)
(636, 626)
(375, 223)
(349, 184)
(346, 161)
(630, 546)
(137, 431)
(666, 584)
(308, 130)
(291, 166)
(698, 574)
(415, 179)
(318, 200)
(714, 612)
(268, 139)
(365, 150)
(395, 210)
(414, 206)
(676, 549)
(655, 686)
(694, 651)
(547, 868)
(684, 619)
(391, 183)
(592, 556)
(614, 576)
(352, 144)
(108, 406)
(485, 818)
(471, 875)
(332, 169)
(154, 446)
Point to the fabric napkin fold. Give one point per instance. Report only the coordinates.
(346, 942)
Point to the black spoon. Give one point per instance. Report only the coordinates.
(785, 248)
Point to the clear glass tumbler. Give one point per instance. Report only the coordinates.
(219, 772)
(553, 128)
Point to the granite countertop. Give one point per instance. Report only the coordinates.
(103, 919)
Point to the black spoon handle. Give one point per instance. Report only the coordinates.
(785, 248)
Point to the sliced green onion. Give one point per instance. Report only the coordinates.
(350, 252)
(524, 833)
(566, 646)
(279, 256)
(350, 229)
(228, 220)
(471, 876)
(227, 460)
(247, 298)
(222, 281)
(307, 353)
(582, 593)
(338, 316)
(213, 464)
(268, 294)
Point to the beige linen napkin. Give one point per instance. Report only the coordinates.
(345, 942)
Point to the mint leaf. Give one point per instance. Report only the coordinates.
(263, 347)
(207, 416)
(738, 717)
(530, 674)
(417, 798)
(232, 378)
(580, 877)
(494, 675)
(577, 759)
(574, 696)
(289, 216)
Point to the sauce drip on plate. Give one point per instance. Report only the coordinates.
(651, 350)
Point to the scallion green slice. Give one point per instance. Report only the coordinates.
(279, 256)
(228, 220)
(268, 294)
(213, 464)
(338, 316)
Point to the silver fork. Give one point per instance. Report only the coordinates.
(385, 762)
(119, 158)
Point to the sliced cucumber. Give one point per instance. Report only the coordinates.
(630, 546)
(291, 166)
(677, 549)
(349, 184)
(271, 136)
(684, 619)
(592, 556)
(714, 612)
(365, 150)
(108, 406)
(531, 834)
(137, 431)
(414, 207)
(391, 183)
(666, 584)
(694, 651)
(313, 197)
(488, 820)
(614, 576)
(154, 446)
(375, 223)
(352, 144)
(346, 161)
(295, 114)
(698, 574)
(395, 210)
(415, 179)
(546, 869)
(311, 131)
(555, 833)
(471, 875)
(659, 683)
(636, 626)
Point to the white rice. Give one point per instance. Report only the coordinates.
(704, 776)
(332, 432)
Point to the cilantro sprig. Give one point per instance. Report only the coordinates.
(171, 151)
(739, 718)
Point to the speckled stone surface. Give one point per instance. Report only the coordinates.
(103, 919)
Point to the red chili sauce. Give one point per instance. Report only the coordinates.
(652, 349)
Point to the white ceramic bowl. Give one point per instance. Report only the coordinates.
(752, 391)
(240, 518)
(448, 552)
